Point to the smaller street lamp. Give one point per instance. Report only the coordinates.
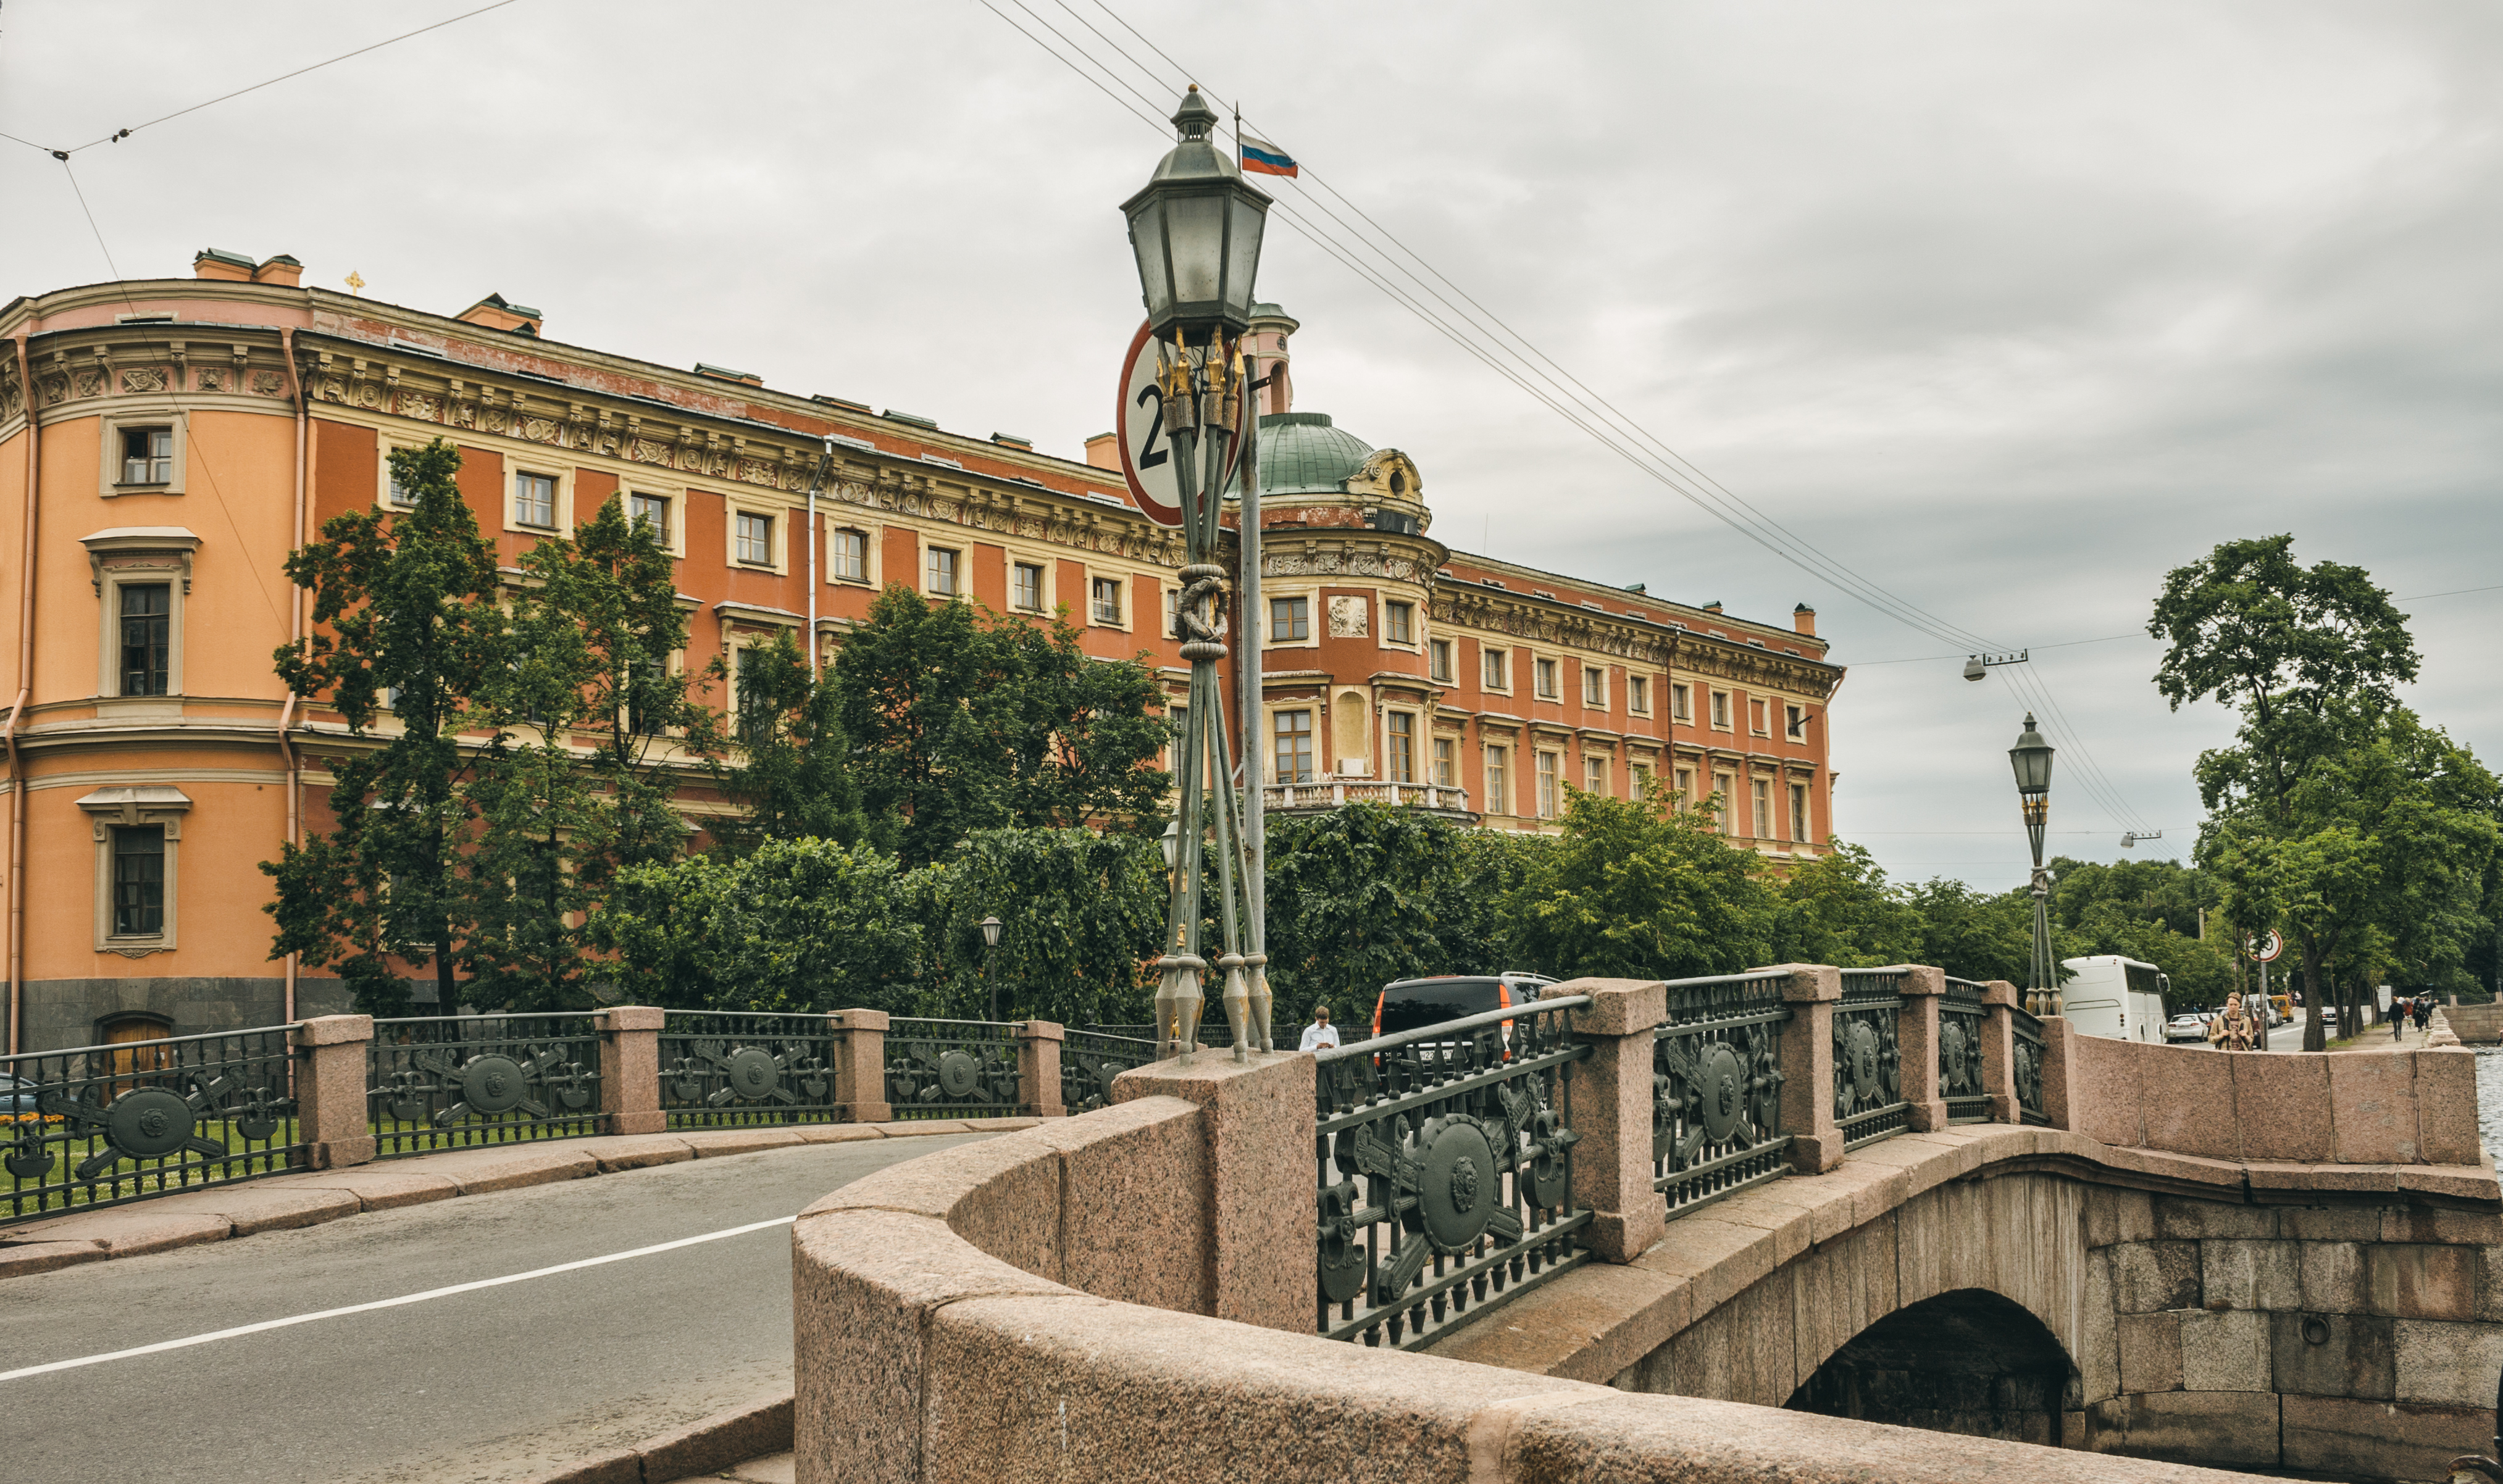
(990, 927)
(2030, 756)
(1169, 842)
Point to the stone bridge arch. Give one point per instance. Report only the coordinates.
(1967, 1360)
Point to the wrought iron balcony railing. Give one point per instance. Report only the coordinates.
(1959, 1043)
(1334, 794)
(1868, 1057)
(1717, 1065)
(951, 1069)
(723, 1069)
(459, 1081)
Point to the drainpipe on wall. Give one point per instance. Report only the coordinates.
(295, 636)
(825, 462)
(17, 710)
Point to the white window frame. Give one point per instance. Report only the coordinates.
(923, 546)
(676, 543)
(1548, 767)
(1595, 766)
(1391, 733)
(1759, 806)
(1595, 687)
(1415, 628)
(1122, 583)
(869, 542)
(1803, 811)
(152, 414)
(1546, 678)
(1639, 695)
(1438, 661)
(130, 556)
(1794, 722)
(1495, 778)
(1724, 785)
(131, 806)
(1723, 714)
(1315, 619)
(1501, 655)
(1760, 717)
(561, 501)
(1042, 570)
(1312, 733)
(1446, 762)
(1681, 702)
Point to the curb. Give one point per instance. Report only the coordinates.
(716, 1443)
(298, 1197)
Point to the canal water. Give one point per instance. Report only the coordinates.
(2490, 1097)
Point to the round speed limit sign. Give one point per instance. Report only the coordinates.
(2266, 946)
(1148, 462)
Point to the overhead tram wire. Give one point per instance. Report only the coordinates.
(1572, 388)
(1552, 396)
(1514, 368)
(117, 135)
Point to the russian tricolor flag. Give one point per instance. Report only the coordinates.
(1261, 157)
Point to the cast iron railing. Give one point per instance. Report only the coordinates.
(1445, 1171)
(950, 1069)
(1090, 1059)
(1868, 1061)
(727, 1069)
(1717, 1078)
(1959, 1042)
(95, 1126)
(2027, 1046)
(461, 1081)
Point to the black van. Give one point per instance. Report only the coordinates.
(1411, 1003)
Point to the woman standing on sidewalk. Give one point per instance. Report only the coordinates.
(2237, 1030)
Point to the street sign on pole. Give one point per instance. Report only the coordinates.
(2265, 948)
(1146, 447)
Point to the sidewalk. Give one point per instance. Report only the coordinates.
(310, 1197)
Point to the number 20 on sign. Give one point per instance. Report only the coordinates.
(1147, 446)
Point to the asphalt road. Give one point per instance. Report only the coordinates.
(490, 1385)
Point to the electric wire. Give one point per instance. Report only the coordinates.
(119, 135)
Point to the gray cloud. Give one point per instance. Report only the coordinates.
(2014, 308)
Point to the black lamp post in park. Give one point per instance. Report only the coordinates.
(2032, 759)
(990, 927)
(1195, 228)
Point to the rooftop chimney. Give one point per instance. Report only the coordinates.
(1804, 618)
(1103, 452)
(218, 263)
(744, 378)
(1713, 606)
(496, 313)
(282, 270)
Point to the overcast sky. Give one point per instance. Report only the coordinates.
(2012, 308)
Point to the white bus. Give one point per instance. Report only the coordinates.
(2115, 996)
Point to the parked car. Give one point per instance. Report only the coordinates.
(2188, 1026)
(1410, 1004)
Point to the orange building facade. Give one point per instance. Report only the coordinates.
(165, 444)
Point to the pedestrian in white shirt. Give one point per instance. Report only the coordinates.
(1320, 1032)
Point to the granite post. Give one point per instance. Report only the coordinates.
(860, 1076)
(1807, 1067)
(1256, 1117)
(629, 1069)
(2060, 1071)
(331, 1121)
(1038, 1068)
(1614, 1100)
(1999, 998)
(1916, 1036)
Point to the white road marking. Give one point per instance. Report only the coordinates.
(389, 1303)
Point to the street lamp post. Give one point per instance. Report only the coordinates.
(1196, 230)
(990, 927)
(2032, 759)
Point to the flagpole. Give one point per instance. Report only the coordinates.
(1248, 646)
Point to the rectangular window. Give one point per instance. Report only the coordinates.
(1547, 803)
(1294, 734)
(751, 698)
(146, 637)
(848, 555)
(1638, 780)
(1683, 791)
(943, 571)
(1496, 760)
(534, 500)
(755, 538)
(1400, 729)
(1761, 794)
(1025, 586)
(1595, 687)
(1794, 722)
(1439, 659)
(1721, 709)
(1756, 718)
(1723, 784)
(1289, 619)
(1681, 703)
(1594, 775)
(1639, 695)
(1173, 613)
(1798, 812)
(138, 881)
(1498, 671)
(1447, 762)
(1399, 623)
(646, 714)
(147, 456)
(393, 490)
(1547, 680)
(652, 510)
(1104, 600)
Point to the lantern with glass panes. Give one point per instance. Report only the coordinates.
(1196, 230)
(2030, 758)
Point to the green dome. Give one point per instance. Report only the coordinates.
(1301, 452)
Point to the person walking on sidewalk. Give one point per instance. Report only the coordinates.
(1320, 1032)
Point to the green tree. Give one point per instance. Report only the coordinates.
(963, 721)
(793, 775)
(801, 925)
(1636, 889)
(1974, 934)
(1840, 909)
(1080, 914)
(405, 618)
